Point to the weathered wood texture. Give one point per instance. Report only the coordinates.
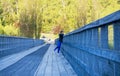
(88, 49)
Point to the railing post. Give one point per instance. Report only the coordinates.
(95, 37)
(104, 37)
(0, 42)
(82, 38)
(87, 36)
(90, 38)
(117, 36)
(65, 39)
(76, 39)
(73, 39)
(70, 40)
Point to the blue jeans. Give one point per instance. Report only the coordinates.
(58, 46)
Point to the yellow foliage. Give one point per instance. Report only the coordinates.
(1, 29)
(11, 30)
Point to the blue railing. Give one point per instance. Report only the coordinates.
(94, 50)
(11, 45)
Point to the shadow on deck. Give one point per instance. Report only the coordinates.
(37, 61)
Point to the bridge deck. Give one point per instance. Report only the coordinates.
(37, 61)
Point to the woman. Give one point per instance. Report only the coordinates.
(61, 34)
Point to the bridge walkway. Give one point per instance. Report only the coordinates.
(37, 61)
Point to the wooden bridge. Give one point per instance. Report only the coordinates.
(93, 50)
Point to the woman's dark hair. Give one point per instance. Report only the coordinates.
(61, 31)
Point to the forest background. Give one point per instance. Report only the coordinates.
(31, 18)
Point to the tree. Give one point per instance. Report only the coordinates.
(30, 18)
(51, 16)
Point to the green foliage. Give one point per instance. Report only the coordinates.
(31, 18)
(10, 30)
(1, 30)
(110, 37)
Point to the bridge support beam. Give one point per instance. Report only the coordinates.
(95, 37)
(104, 37)
(117, 36)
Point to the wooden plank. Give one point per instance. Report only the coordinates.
(48, 71)
(53, 65)
(59, 61)
(25, 68)
(42, 67)
(27, 65)
(9, 60)
(68, 67)
(55, 68)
